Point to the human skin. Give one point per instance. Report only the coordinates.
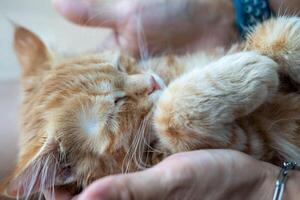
(202, 174)
(175, 26)
(126, 34)
(167, 25)
(181, 26)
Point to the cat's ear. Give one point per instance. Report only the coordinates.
(32, 53)
(39, 167)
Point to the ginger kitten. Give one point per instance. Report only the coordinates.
(94, 115)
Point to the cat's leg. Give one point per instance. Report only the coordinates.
(198, 110)
(279, 39)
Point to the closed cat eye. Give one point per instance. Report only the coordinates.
(120, 98)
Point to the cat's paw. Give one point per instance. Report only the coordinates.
(192, 111)
(279, 39)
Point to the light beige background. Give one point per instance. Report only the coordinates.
(40, 17)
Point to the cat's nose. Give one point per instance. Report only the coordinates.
(153, 86)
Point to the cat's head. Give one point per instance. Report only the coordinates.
(81, 118)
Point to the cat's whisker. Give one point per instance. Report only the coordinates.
(142, 44)
(52, 181)
(279, 13)
(146, 145)
(296, 13)
(126, 161)
(93, 17)
(32, 180)
(149, 147)
(44, 173)
(284, 12)
(137, 149)
(281, 120)
(138, 146)
(144, 142)
(52, 177)
(129, 155)
(153, 150)
(144, 152)
(131, 149)
(104, 10)
(138, 135)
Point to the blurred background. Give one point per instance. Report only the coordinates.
(60, 35)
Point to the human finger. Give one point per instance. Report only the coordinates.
(57, 194)
(102, 13)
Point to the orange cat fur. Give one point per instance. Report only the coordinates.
(94, 115)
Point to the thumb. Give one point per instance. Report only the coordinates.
(59, 194)
(104, 13)
(138, 185)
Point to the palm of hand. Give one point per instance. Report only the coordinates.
(156, 26)
(189, 175)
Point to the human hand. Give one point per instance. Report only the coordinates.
(158, 25)
(205, 174)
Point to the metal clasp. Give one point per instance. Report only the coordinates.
(281, 180)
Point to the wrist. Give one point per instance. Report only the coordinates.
(292, 187)
(266, 191)
(269, 179)
(257, 182)
(262, 187)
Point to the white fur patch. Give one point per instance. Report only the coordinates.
(89, 122)
(104, 86)
(91, 127)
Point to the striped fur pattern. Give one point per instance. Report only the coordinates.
(95, 115)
